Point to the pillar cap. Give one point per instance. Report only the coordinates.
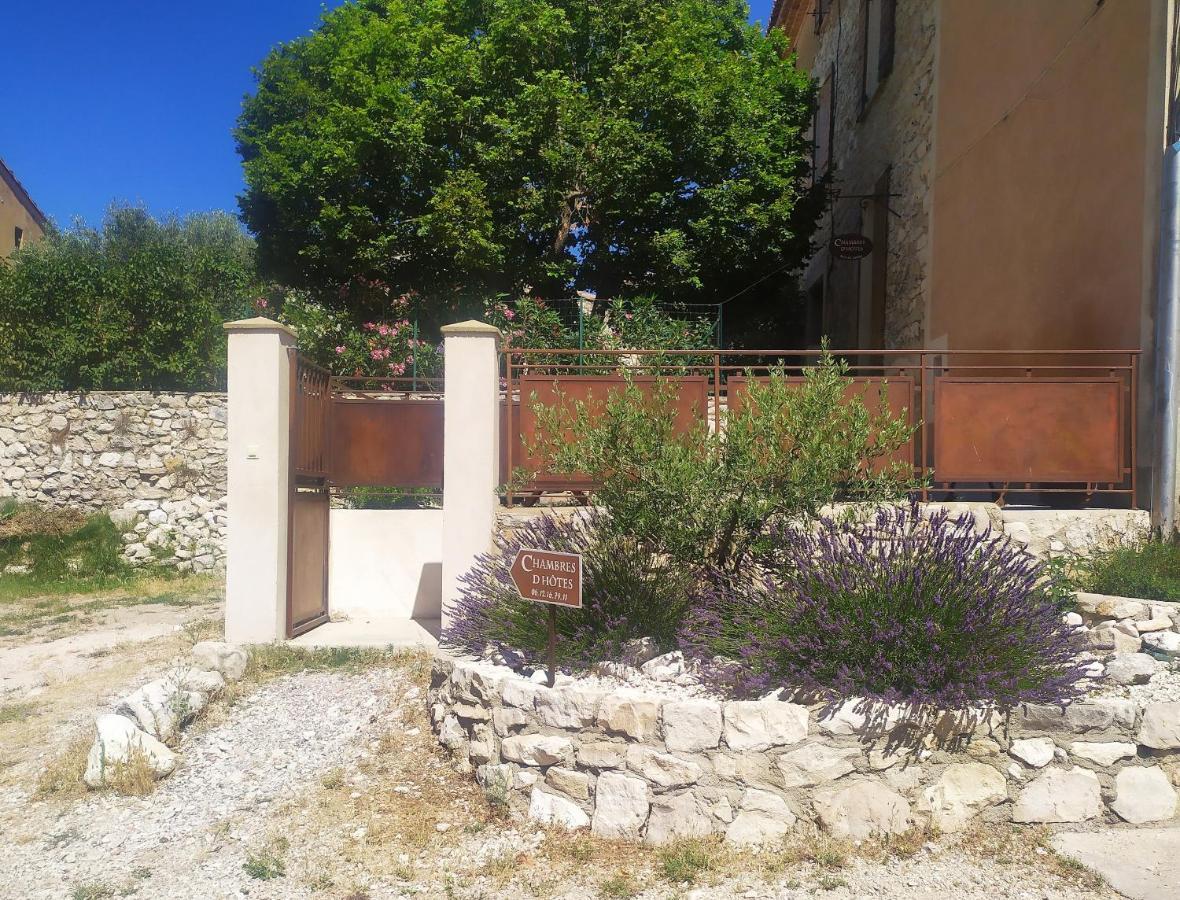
(259, 323)
(471, 327)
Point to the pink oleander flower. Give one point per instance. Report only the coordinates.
(509, 315)
(339, 350)
(376, 354)
(260, 303)
(383, 330)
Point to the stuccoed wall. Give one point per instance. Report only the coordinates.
(156, 462)
(644, 766)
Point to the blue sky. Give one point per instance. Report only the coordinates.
(135, 101)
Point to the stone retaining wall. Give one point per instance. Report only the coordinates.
(647, 766)
(156, 462)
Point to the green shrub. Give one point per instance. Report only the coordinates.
(701, 497)
(59, 544)
(136, 304)
(1150, 571)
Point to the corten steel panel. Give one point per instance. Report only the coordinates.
(691, 395)
(387, 443)
(307, 572)
(899, 397)
(1023, 430)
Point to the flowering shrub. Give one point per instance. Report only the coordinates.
(626, 594)
(386, 346)
(529, 323)
(902, 608)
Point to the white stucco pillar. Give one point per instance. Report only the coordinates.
(471, 449)
(258, 480)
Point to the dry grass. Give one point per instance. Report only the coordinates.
(133, 777)
(1012, 845)
(62, 777)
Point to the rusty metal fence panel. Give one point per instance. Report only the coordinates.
(985, 422)
(387, 434)
(1010, 430)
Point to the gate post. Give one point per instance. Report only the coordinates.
(471, 449)
(258, 476)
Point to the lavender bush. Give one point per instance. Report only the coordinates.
(905, 607)
(626, 593)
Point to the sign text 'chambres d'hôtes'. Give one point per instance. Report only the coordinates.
(545, 576)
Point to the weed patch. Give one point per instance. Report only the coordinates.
(685, 860)
(1150, 571)
(268, 862)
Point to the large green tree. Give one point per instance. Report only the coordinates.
(460, 148)
(137, 303)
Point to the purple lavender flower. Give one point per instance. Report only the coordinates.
(909, 607)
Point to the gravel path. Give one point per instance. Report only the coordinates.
(339, 769)
(273, 744)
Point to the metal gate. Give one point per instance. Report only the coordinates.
(307, 498)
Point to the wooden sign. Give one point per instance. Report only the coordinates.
(545, 576)
(851, 246)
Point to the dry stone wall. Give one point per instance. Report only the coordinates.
(628, 763)
(155, 462)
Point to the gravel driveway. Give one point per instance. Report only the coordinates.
(329, 784)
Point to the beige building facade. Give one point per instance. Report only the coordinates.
(21, 220)
(1004, 158)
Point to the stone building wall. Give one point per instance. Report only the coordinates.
(895, 131)
(155, 462)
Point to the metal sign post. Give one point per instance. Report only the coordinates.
(555, 579)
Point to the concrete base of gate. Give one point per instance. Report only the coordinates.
(373, 631)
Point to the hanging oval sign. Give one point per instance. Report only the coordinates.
(851, 246)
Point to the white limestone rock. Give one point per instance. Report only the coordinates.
(621, 806)
(218, 656)
(861, 810)
(551, 809)
(814, 764)
(1035, 752)
(1130, 668)
(1160, 728)
(961, 792)
(762, 817)
(1102, 753)
(117, 742)
(676, 817)
(538, 749)
(160, 706)
(568, 707)
(569, 781)
(1143, 794)
(662, 769)
(1163, 643)
(692, 725)
(634, 717)
(1058, 795)
(759, 725)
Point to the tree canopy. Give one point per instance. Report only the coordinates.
(464, 148)
(137, 303)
